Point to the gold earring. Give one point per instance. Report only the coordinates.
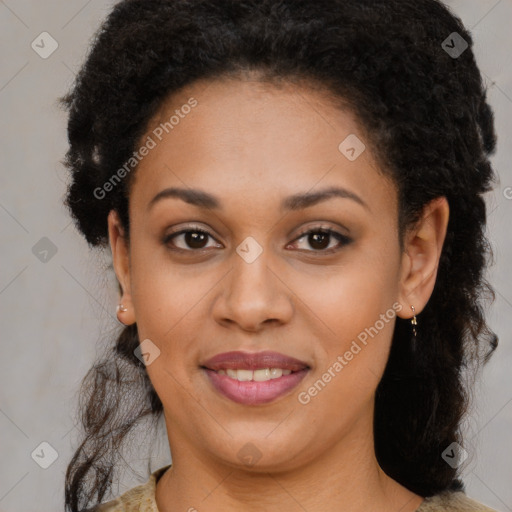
(414, 322)
(122, 307)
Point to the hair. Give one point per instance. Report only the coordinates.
(426, 119)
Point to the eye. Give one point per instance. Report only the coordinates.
(193, 237)
(319, 239)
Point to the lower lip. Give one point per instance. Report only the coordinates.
(254, 392)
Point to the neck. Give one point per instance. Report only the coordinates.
(345, 477)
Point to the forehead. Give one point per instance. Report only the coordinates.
(258, 140)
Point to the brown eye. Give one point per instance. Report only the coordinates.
(194, 239)
(319, 239)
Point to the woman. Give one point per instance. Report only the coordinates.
(292, 194)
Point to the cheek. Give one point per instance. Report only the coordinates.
(352, 297)
(162, 292)
(354, 315)
(170, 306)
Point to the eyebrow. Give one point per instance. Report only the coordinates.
(294, 202)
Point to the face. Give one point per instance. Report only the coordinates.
(261, 265)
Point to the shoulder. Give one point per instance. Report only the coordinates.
(138, 499)
(451, 501)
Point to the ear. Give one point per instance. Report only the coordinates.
(420, 260)
(121, 262)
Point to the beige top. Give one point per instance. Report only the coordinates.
(142, 499)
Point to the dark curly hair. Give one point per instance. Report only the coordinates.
(426, 118)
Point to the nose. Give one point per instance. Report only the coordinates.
(253, 295)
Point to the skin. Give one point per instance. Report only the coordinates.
(252, 144)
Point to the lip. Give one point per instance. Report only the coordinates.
(254, 361)
(254, 392)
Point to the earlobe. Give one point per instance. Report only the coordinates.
(121, 263)
(420, 259)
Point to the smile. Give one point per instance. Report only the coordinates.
(261, 375)
(254, 387)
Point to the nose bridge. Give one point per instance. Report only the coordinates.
(253, 292)
(251, 273)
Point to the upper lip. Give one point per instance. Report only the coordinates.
(253, 361)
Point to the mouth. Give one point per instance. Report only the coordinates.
(254, 378)
(239, 360)
(260, 375)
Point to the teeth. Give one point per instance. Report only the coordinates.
(256, 375)
(261, 375)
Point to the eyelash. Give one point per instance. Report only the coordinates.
(343, 239)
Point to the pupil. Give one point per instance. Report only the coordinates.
(322, 236)
(193, 238)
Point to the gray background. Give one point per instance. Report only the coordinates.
(56, 315)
